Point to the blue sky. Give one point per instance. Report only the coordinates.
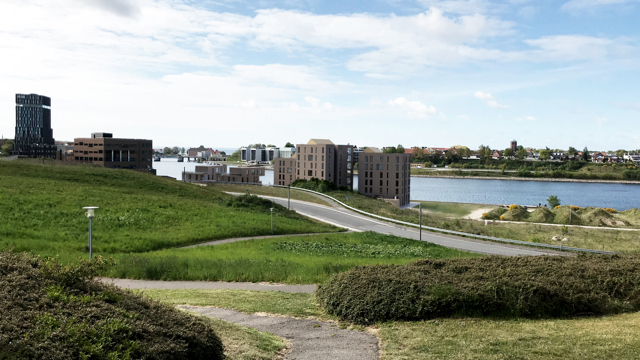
(384, 72)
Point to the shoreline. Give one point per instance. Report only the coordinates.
(624, 182)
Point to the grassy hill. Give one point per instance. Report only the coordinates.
(41, 211)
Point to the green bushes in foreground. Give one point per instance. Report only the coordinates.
(49, 311)
(532, 287)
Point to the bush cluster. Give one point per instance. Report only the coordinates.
(50, 311)
(533, 287)
(318, 185)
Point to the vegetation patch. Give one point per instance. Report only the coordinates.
(542, 215)
(303, 260)
(532, 287)
(352, 250)
(494, 214)
(50, 311)
(515, 213)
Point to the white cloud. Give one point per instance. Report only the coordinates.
(575, 47)
(526, 118)
(317, 105)
(127, 8)
(463, 117)
(489, 100)
(601, 120)
(576, 5)
(414, 109)
(459, 6)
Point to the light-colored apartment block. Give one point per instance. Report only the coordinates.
(385, 176)
(320, 159)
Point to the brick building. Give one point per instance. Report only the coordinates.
(385, 176)
(320, 159)
(105, 150)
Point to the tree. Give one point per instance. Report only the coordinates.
(183, 150)
(572, 151)
(553, 201)
(585, 154)
(167, 151)
(400, 149)
(175, 150)
(620, 153)
(288, 144)
(416, 153)
(390, 150)
(545, 154)
(484, 151)
(271, 145)
(508, 152)
(7, 147)
(522, 153)
(463, 151)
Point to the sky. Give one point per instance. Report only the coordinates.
(228, 73)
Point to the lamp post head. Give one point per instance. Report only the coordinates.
(90, 211)
(271, 209)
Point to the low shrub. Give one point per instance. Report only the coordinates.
(542, 215)
(495, 214)
(532, 287)
(50, 311)
(516, 213)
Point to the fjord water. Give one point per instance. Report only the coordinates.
(617, 196)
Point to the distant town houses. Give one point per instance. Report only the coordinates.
(260, 155)
(221, 173)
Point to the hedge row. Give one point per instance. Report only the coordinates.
(49, 311)
(533, 287)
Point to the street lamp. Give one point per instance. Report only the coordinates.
(90, 211)
(271, 220)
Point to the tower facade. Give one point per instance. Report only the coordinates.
(34, 135)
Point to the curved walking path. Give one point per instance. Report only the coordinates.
(311, 339)
(204, 285)
(232, 240)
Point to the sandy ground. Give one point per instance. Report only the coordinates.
(477, 214)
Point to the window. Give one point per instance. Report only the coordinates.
(309, 172)
(309, 157)
(397, 167)
(381, 176)
(381, 158)
(379, 167)
(380, 182)
(397, 176)
(323, 153)
(322, 173)
(396, 183)
(323, 165)
(397, 158)
(298, 158)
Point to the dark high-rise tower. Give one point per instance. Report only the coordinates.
(34, 136)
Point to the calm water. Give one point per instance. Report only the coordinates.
(617, 196)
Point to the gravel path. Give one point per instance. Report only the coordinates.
(180, 285)
(311, 339)
(226, 241)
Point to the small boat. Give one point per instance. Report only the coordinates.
(156, 158)
(180, 159)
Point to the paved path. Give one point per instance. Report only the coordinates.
(180, 285)
(311, 339)
(356, 222)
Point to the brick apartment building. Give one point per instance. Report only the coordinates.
(320, 159)
(385, 176)
(105, 150)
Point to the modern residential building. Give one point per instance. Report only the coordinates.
(204, 173)
(385, 176)
(320, 159)
(248, 175)
(259, 155)
(105, 150)
(34, 135)
(286, 152)
(223, 173)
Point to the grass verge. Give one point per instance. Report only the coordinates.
(270, 191)
(294, 259)
(606, 337)
(243, 343)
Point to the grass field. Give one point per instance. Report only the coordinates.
(41, 212)
(270, 191)
(607, 337)
(294, 260)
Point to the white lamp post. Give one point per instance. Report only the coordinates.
(90, 211)
(271, 220)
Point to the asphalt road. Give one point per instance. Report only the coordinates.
(356, 222)
(311, 339)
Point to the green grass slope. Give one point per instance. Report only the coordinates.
(41, 211)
